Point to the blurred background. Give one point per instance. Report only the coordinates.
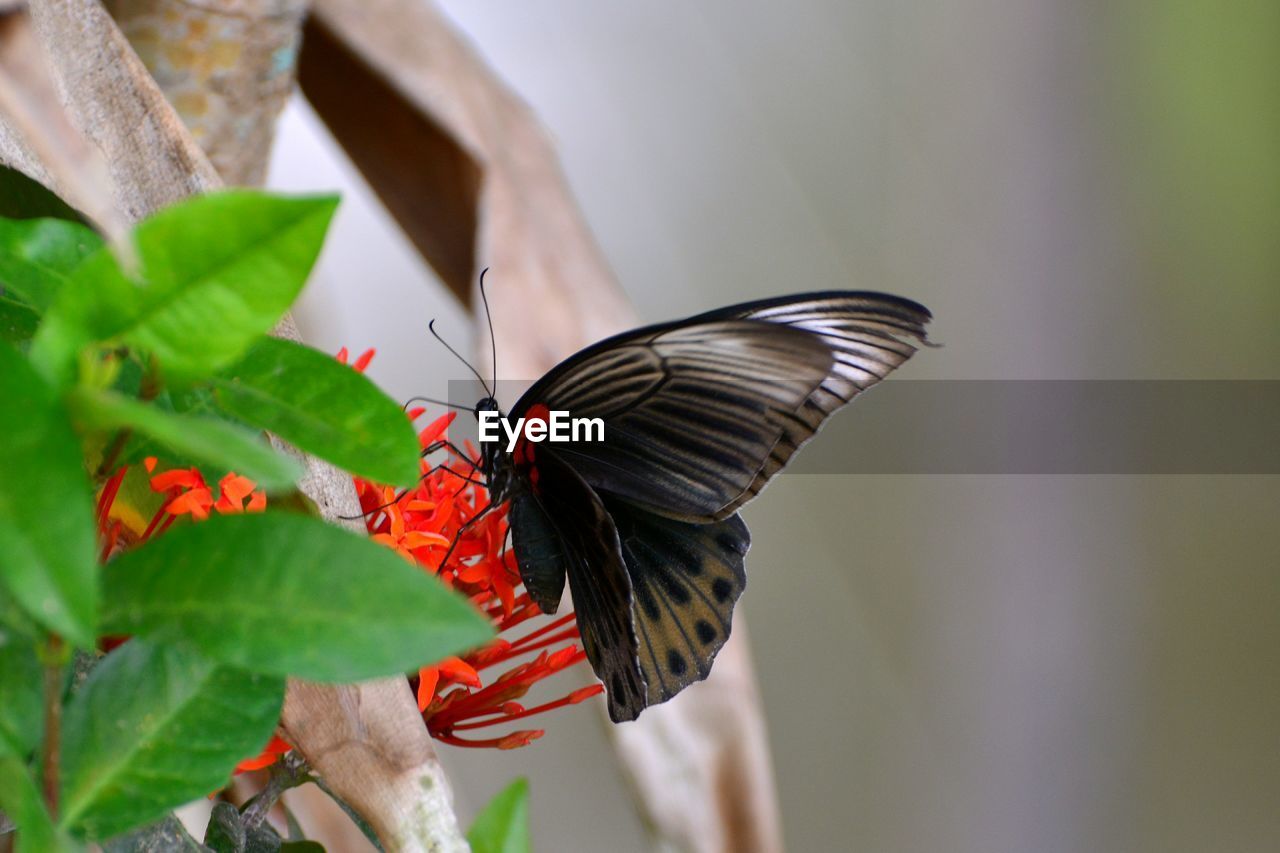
(1077, 191)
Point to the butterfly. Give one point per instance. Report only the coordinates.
(698, 415)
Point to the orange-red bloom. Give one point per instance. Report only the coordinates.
(422, 524)
(186, 493)
(275, 748)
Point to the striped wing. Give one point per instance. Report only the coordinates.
(866, 333)
(699, 414)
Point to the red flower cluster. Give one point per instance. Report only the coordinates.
(422, 524)
(186, 493)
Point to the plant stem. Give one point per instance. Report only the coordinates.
(52, 746)
(289, 772)
(111, 454)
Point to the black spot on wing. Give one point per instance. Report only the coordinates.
(676, 663)
(721, 589)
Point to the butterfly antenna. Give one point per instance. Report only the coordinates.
(431, 327)
(493, 341)
(435, 402)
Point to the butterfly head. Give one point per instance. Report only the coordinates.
(492, 455)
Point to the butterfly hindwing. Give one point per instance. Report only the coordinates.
(685, 579)
(567, 524)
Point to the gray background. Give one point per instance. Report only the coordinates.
(1078, 191)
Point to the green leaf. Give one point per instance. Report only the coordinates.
(38, 256)
(216, 272)
(288, 595)
(16, 620)
(214, 442)
(47, 557)
(21, 695)
(18, 322)
(503, 826)
(196, 400)
(20, 800)
(322, 407)
(24, 198)
(155, 727)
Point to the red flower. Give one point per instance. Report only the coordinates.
(186, 493)
(275, 748)
(422, 524)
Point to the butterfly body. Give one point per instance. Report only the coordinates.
(698, 415)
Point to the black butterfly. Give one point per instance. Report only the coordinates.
(699, 414)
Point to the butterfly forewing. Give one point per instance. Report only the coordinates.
(699, 414)
(863, 330)
(688, 412)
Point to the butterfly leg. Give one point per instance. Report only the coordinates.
(456, 451)
(457, 537)
(434, 468)
(441, 444)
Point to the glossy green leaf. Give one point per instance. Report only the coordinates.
(289, 595)
(21, 693)
(14, 618)
(503, 826)
(38, 256)
(18, 322)
(322, 407)
(155, 727)
(47, 557)
(216, 272)
(218, 443)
